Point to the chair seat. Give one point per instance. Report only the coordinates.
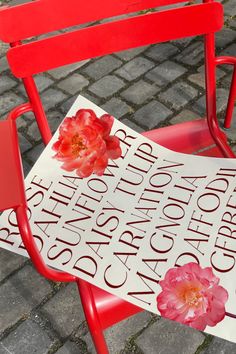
(188, 137)
(11, 173)
(120, 309)
(192, 137)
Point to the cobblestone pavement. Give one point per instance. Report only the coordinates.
(145, 88)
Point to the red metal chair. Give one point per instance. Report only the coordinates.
(202, 136)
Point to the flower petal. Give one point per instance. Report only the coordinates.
(84, 143)
(191, 295)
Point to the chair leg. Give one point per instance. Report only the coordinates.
(92, 317)
(231, 101)
(38, 109)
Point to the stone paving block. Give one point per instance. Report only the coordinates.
(116, 336)
(201, 69)
(161, 52)
(28, 338)
(54, 120)
(16, 2)
(13, 306)
(169, 337)
(135, 68)
(66, 105)
(152, 114)
(73, 84)
(64, 310)
(8, 101)
(192, 55)
(179, 95)
(132, 125)
(26, 167)
(230, 50)
(226, 82)
(3, 48)
(63, 71)
(50, 34)
(222, 96)
(92, 98)
(70, 348)
(116, 107)
(6, 83)
(4, 64)
(165, 73)
(198, 79)
(119, 17)
(224, 37)
(32, 286)
(220, 346)
(20, 294)
(101, 67)
(21, 123)
(42, 83)
(24, 143)
(52, 97)
(231, 21)
(230, 8)
(130, 53)
(33, 132)
(231, 132)
(76, 27)
(9, 262)
(184, 116)
(200, 106)
(234, 148)
(183, 42)
(34, 154)
(107, 86)
(139, 92)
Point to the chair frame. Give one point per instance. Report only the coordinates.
(27, 23)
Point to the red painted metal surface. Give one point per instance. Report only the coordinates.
(191, 137)
(210, 75)
(43, 16)
(114, 36)
(232, 95)
(37, 17)
(231, 101)
(11, 186)
(37, 108)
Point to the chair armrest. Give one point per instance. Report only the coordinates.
(31, 247)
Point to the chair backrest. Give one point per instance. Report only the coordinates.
(26, 21)
(32, 19)
(27, 18)
(143, 22)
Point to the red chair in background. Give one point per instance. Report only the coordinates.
(26, 59)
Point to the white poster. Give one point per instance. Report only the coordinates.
(157, 229)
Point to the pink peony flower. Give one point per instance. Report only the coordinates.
(84, 143)
(191, 295)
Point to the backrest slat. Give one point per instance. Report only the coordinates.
(43, 16)
(97, 40)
